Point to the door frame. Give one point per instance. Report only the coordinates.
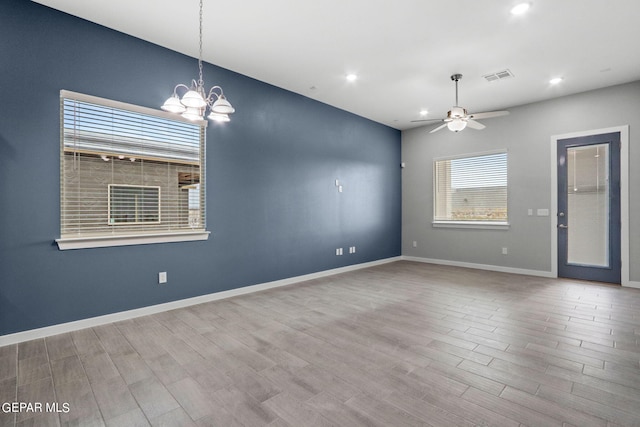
(624, 196)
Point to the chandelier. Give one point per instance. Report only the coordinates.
(195, 100)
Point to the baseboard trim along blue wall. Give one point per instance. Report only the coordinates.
(273, 209)
(130, 314)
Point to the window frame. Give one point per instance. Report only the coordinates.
(468, 224)
(67, 242)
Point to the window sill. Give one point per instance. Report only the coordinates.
(87, 242)
(471, 224)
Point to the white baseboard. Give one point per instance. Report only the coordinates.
(632, 284)
(538, 273)
(501, 269)
(61, 328)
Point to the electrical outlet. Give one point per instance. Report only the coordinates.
(339, 251)
(505, 251)
(352, 249)
(162, 277)
(415, 244)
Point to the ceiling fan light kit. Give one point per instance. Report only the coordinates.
(456, 125)
(458, 119)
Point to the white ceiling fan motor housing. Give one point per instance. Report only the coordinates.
(457, 113)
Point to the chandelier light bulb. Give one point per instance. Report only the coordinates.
(192, 113)
(222, 106)
(218, 117)
(173, 105)
(193, 99)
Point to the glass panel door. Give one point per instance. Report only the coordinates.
(588, 205)
(589, 208)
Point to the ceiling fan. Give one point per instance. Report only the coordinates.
(458, 118)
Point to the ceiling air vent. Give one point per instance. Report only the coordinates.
(500, 75)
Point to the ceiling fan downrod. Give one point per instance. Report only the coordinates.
(455, 78)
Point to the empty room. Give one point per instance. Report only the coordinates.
(305, 213)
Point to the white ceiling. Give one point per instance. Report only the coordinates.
(404, 51)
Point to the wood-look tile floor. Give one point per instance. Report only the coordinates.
(402, 344)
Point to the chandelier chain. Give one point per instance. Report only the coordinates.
(200, 81)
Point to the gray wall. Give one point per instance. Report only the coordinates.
(526, 134)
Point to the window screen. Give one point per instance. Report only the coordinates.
(126, 169)
(471, 189)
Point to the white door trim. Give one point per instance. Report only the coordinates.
(624, 196)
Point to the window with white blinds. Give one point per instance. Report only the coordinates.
(127, 171)
(471, 189)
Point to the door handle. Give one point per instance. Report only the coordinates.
(562, 226)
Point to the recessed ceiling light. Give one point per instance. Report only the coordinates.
(555, 80)
(423, 112)
(352, 77)
(521, 8)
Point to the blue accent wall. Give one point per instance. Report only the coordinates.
(272, 205)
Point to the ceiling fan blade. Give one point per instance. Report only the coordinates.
(427, 120)
(488, 114)
(438, 128)
(475, 125)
